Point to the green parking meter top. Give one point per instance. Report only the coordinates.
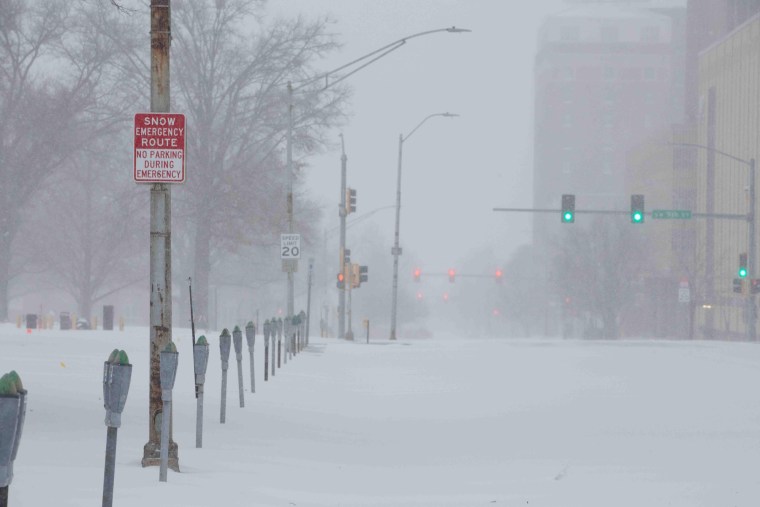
(118, 357)
(236, 330)
(225, 332)
(170, 347)
(250, 324)
(10, 384)
(202, 340)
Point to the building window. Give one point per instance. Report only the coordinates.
(566, 163)
(567, 95)
(609, 34)
(607, 160)
(567, 73)
(650, 34)
(570, 33)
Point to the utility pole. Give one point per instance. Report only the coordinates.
(342, 213)
(752, 255)
(294, 266)
(160, 240)
(308, 299)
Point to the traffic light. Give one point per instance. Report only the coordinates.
(452, 273)
(417, 273)
(742, 272)
(637, 209)
(568, 208)
(350, 200)
(738, 285)
(498, 275)
(355, 276)
(446, 297)
(754, 287)
(341, 279)
(363, 274)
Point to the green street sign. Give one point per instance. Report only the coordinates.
(682, 214)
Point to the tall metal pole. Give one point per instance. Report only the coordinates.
(308, 299)
(752, 255)
(293, 267)
(396, 249)
(160, 239)
(342, 214)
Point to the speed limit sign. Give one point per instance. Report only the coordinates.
(290, 246)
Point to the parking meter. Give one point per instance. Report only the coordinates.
(200, 364)
(117, 375)
(250, 338)
(168, 373)
(237, 341)
(200, 360)
(267, 335)
(12, 413)
(224, 350)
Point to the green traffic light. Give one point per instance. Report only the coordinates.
(567, 217)
(637, 217)
(742, 272)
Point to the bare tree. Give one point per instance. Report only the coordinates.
(232, 87)
(39, 107)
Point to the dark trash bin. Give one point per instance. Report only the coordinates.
(31, 321)
(65, 320)
(108, 317)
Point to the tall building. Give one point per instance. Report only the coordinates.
(608, 75)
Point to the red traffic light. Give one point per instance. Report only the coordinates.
(452, 273)
(498, 274)
(417, 274)
(340, 277)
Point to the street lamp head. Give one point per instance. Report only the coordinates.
(454, 29)
(450, 115)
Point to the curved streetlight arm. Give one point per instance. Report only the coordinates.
(447, 115)
(714, 150)
(380, 52)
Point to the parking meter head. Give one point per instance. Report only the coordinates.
(10, 412)
(169, 359)
(267, 329)
(225, 342)
(117, 375)
(200, 360)
(237, 340)
(250, 334)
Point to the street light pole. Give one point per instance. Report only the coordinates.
(356, 65)
(396, 250)
(750, 308)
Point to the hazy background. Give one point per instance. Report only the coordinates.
(455, 170)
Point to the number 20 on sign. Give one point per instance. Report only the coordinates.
(290, 246)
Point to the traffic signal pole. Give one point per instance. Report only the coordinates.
(342, 214)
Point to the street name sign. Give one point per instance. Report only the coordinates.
(159, 148)
(682, 214)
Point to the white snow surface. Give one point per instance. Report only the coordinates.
(436, 422)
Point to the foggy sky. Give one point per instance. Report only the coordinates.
(454, 170)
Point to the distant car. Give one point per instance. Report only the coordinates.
(83, 324)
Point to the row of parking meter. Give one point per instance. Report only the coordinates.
(12, 412)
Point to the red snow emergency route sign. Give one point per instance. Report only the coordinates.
(159, 148)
